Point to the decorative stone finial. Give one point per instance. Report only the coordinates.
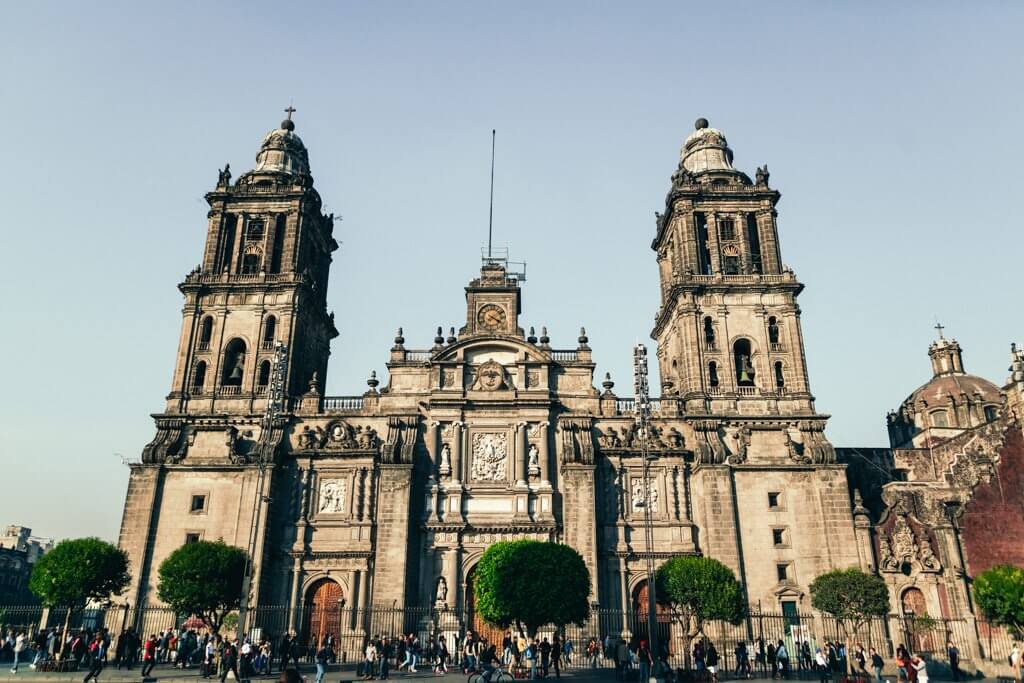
(372, 382)
(399, 339)
(583, 338)
(607, 383)
(532, 337)
(451, 336)
(439, 337)
(544, 338)
(314, 382)
(701, 123)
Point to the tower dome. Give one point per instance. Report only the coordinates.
(706, 150)
(950, 402)
(282, 151)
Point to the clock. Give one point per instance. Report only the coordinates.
(491, 317)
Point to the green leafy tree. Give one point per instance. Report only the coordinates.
(531, 583)
(203, 579)
(999, 592)
(697, 589)
(851, 597)
(78, 570)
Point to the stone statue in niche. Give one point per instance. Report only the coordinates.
(490, 453)
(441, 591)
(533, 459)
(446, 460)
(332, 496)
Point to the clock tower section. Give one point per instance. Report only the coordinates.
(493, 302)
(730, 346)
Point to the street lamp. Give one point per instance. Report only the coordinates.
(642, 417)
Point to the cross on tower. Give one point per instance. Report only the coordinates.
(290, 110)
(940, 328)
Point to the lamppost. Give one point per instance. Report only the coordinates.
(264, 456)
(642, 417)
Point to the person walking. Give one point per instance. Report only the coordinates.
(148, 656)
(556, 655)
(285, 651)
(323, 658)
(229, 661)
(712, 661)
(877, 663)
(545, 656)
(742, 660)
(643, 654)
(98, 651)
(953, 653)
(921, 667)
(821, 664)
(20, 643)
(782, 657)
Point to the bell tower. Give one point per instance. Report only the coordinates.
(262, 280)
(728, 329)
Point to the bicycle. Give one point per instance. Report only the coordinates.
(496, 675)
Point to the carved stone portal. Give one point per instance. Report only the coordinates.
(637, 497)
(490, 454)
(332, 496)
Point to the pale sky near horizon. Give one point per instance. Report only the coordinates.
(893, 131)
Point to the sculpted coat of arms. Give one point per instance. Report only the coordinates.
(490, 376)
(490, 453)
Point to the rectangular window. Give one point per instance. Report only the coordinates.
(782, 571)
(774, 500)
(703, 251)
(191, 537)
(779, 537)
(726, 230)
(198, 504)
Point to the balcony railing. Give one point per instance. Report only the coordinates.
(714, 391)
(565, 356)
(417, 356)
(267, 345)
(775, 346)
(204, 345)
(747, 391)
(230, 390)
(626, 405)
(343, 403)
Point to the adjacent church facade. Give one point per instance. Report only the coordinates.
(496, 432)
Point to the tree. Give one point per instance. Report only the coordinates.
(999, 592)
(851, 597)
(78, 570)
(203, 579)
(531, 583)
(697, 589)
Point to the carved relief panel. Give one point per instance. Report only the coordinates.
(331, 497)
(490, 457)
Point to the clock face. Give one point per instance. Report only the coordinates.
(492, 317)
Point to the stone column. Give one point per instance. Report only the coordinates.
(624, 595)
(716, 252)
(456, 451)
(521, 451)
(740, 227)
(542, 447)
(293, 602)
(348, 614)
(451, 575)
(769, 247)
(362, 618)
(430, 440)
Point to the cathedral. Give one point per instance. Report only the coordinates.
(493, 432)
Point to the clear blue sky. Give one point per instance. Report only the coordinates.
(893, 131)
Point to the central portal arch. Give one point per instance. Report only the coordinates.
(663, 619)
(492, 633)
(323, 599)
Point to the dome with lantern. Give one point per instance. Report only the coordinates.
(949, 403)
(282, 151)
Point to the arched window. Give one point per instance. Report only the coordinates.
(199, 377)
(990, 414)
(713, 374)
(709, 332)
(780, 378)
(205, 333)
(263, 376)
(277, 249)
(744, 367)
(234, 363)
(940, 418)
(773, 331)
(269, 330)
(252, 260)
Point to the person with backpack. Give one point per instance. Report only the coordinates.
(98, 653)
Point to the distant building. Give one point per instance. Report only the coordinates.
(19, 550)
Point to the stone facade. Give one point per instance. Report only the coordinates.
(389, 498)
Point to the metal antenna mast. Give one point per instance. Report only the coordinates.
(642, 418)
(264, 455)
(490, 218)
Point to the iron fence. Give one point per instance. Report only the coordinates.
(591, 644)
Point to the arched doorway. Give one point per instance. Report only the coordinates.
(323, 604)
(664, 619)
(492, 633)
(917, 624)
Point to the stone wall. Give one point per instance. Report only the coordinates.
(993, 522)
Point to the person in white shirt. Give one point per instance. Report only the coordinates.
(1015, 661)
(921, 667)
(821, 663)
(20, 643)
